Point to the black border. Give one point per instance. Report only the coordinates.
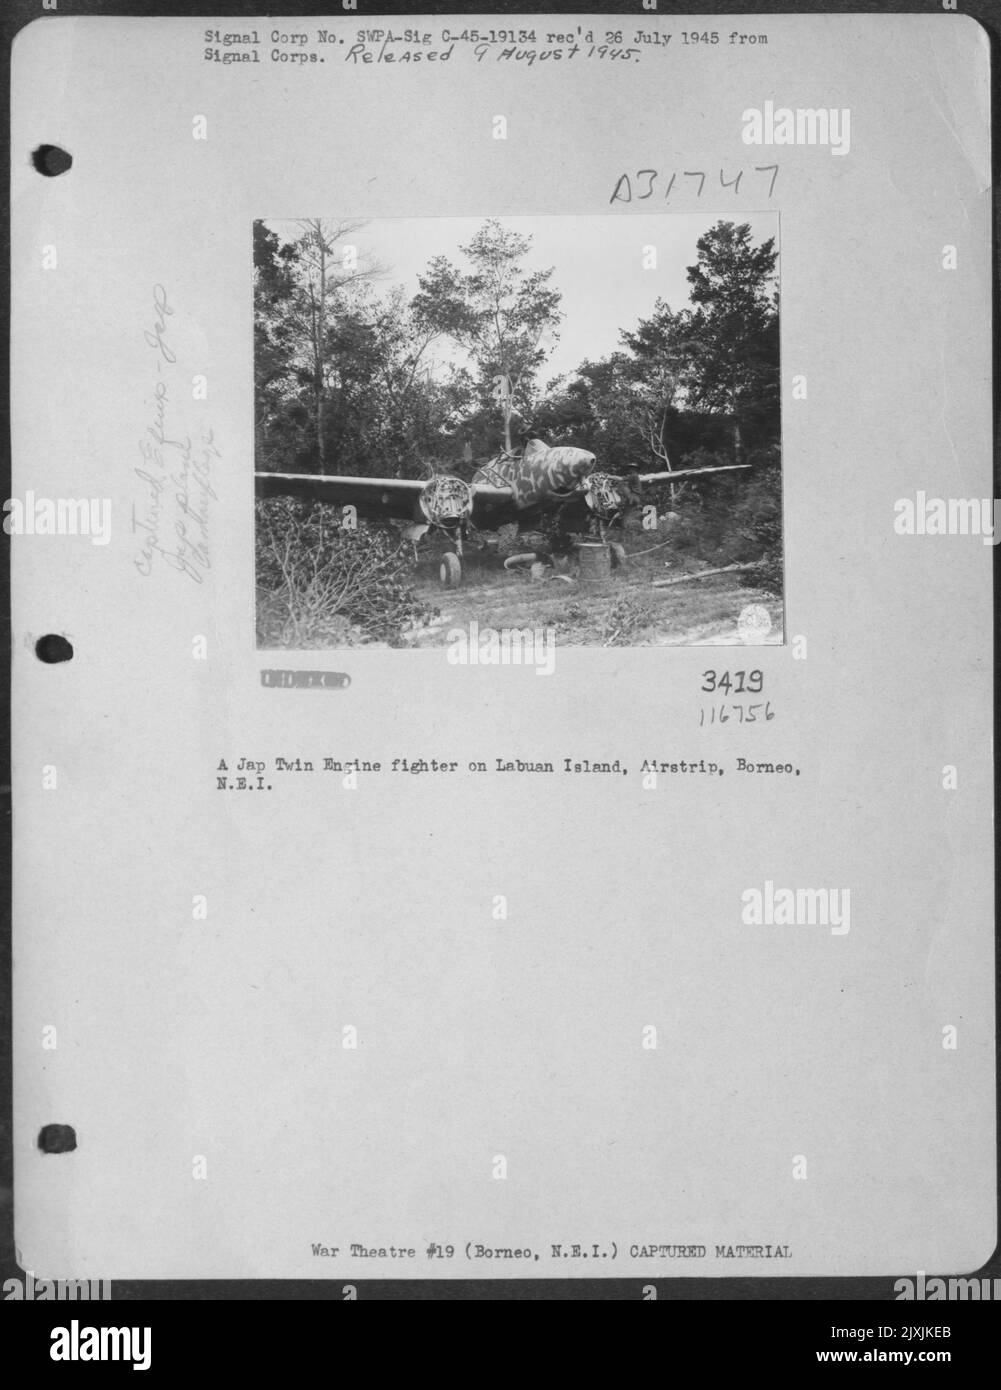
(15, 16)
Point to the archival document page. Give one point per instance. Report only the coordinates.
(502, 533)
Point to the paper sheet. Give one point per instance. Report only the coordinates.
(725, 1005)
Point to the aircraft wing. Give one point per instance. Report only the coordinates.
(678, 475)
(380, 497)
(492, 506)
(397, 497)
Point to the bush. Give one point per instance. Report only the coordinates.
(320, 584)
(627, 619)
(736, 519)
(757, 528)
(620, 625)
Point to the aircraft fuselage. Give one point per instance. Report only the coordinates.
(541, 478)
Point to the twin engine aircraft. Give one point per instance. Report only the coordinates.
(560, 490)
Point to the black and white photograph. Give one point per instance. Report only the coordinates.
(522, 423)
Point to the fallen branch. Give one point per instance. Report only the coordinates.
(705, 574)
(635, 554)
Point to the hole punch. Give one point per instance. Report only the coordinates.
(52, 648)
(57, 1139)
(51, 161)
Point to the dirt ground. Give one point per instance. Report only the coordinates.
(625, 611)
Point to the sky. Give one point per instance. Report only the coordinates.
(597, 262)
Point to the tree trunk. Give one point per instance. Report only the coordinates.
(321, 442)
(738, 443)
(317, 376)
(671, 486)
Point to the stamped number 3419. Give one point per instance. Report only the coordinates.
(740, 683)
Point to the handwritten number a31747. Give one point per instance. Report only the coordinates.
(646, 182)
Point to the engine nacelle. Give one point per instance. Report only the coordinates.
(605, 494)
(446, 501)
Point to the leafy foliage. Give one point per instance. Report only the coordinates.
(321, 584)
(505, 317)
(351, 381)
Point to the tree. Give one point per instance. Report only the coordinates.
(660, 351)
(274, 336)
(416, 398)
(496, 311)
(699, 384)
(322, 279)
(734, 329)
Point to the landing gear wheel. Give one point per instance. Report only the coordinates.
(450, 570)
(618, 556)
